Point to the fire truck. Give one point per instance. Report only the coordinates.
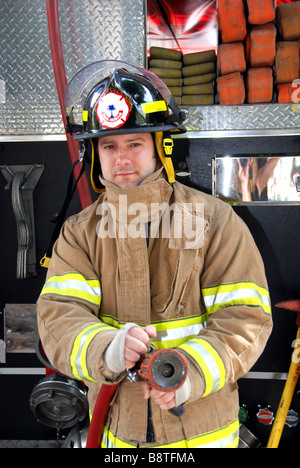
(242, 107)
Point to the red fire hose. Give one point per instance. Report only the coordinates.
(99, 415)
(164, 369)
(107, 391)
(61, 84)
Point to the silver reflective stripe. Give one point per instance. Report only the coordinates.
(78, 357)
(235, 295)
(223, 437)
(209, 362)
(74, 285)
(179, 333)
(211, 365)
(83, 286)
(230, 441)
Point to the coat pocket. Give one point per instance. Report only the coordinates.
(209, 415)
(174, 281)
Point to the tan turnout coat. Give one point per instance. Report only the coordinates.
(207, 298)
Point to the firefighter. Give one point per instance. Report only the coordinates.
(151, 261)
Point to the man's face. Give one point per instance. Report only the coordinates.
(126, 160)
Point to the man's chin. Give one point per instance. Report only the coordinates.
(127, 181)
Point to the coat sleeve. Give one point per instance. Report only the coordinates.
(237, 306)
(73, 337)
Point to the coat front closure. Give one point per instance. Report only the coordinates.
(131, 213)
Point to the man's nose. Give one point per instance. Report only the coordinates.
(123, 158)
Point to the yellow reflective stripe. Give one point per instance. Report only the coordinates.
(109, 320)
(110, 441)
(178, 323)
(209, 362)
(74, 285)
(78, 357)
(155, 106)
(171, 333)
(236, 294)
(224, 437)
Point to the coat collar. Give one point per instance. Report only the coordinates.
(138, 200)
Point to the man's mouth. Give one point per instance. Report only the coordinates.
(125, 174)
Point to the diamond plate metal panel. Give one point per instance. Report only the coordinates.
(246, 118)
(91, 30)
(95, 30)
(30, 105)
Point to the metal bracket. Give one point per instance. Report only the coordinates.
(22, 180)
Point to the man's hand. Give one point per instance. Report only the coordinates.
(137, 342)
(166, 400)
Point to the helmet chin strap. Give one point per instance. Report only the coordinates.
(93, 162)
(164, 147)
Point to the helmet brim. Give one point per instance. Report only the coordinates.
(127, 131)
